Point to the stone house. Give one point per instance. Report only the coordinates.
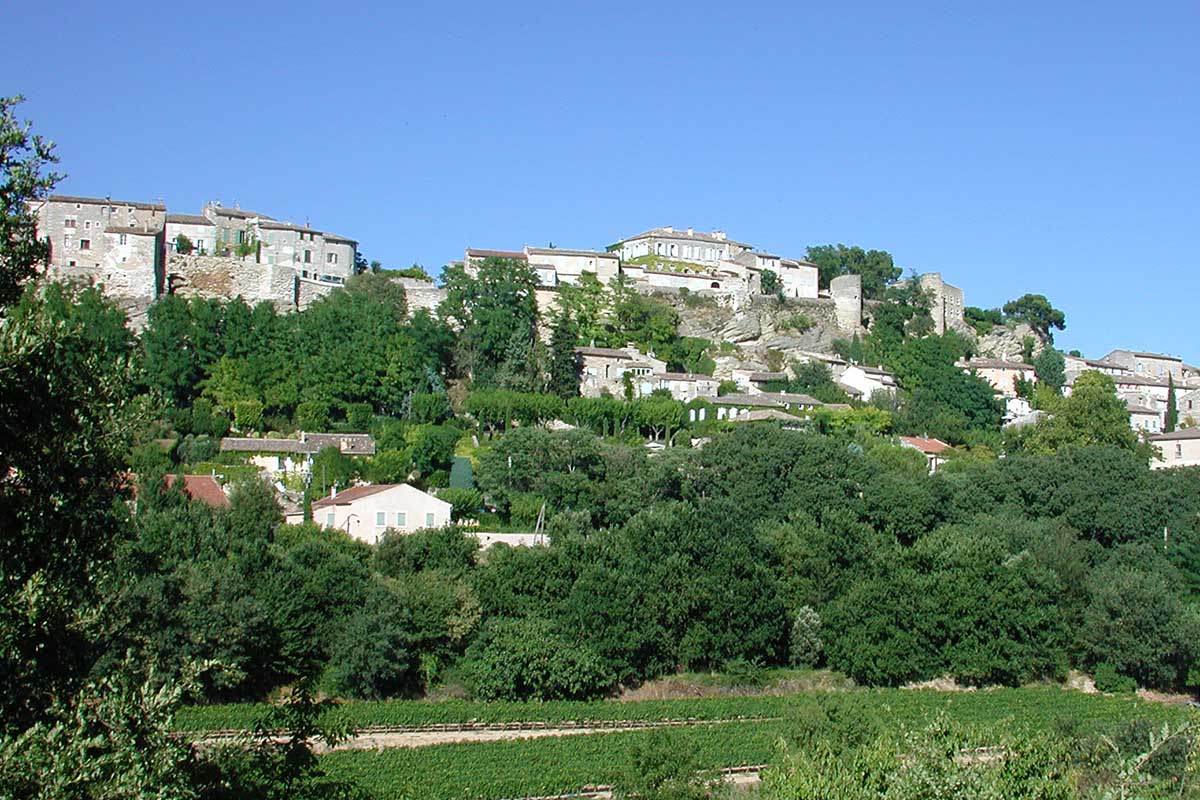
(1074, 365)
(1188, 406)
(863, 381)
(115, 243)
(367, 512)
(1179, 448)
(280, 457)
(798, 278)
(1143, 419)
(684, 387)
(1001, 374)
(197, 228)
(731, 406)
(708, 249)
(603, 369)
(553, 266)
(948, 305)
(752, 381)
(934, 450)
(1148, 365)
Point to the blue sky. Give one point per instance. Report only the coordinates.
(1014, 147)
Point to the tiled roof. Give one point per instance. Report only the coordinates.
(602, 352)
(353, 493)
(203, 488)
(674, 233)
(765, 415)
(773, 400)
(131, 231)
(238, 213)
(683, 376)
(473, 253)
(1179, 435)
(105, 201)
(763, 377)
(355, 444)
(188, 219)
(928, 446)
(555, 251)
(997, 363)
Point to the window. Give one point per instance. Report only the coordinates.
(70, 263)
(67, 239)
(85, 244)
(1179, 451)
(87, 223)
(329, 520)
(69, 222)
(429, 520)
(380, 519)
(331, 258)
(401, 519)
(123, 239)
(308, 256)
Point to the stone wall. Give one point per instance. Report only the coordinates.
(421, 294)
(846, 293)
(223, 278)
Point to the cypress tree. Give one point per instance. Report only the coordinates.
(1171, 419)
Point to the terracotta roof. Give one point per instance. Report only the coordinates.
(472, 252)
(203, 488)
(104, 201)
(765, 415)
(1179, 435)
(237, 213)
(762, 377)
(353, 493)
(683, 376)
(555, 251)
(928, 446)
(663, 233)
(602, 352)
(360, 444)
(772, 400)
(131, 231)
(1134, 408)
(188, 219)
(997, 363)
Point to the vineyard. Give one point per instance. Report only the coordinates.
(548, 766)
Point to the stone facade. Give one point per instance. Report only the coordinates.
(1147, 365)
(948, 305)
(681, 245)
(131, 249)
(421, 294)
(1177, 449)
(846, 291)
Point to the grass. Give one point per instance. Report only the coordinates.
(521, 768)
(1038, 706)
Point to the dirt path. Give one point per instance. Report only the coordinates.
(381, 738)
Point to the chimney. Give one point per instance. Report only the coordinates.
(691, 231)
(669, 229)
(333, 490)
(720, 235)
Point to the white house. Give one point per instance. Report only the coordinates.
(366, 512)
(1179, 448)
(865, 381)
(932, 449)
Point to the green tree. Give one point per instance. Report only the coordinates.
(1171, 418)
(875, 266)
(492, 308)
(1036, 311)
(564, 363)
(1092, 414)
(769, 282)
(24, 180)
(1050, 368)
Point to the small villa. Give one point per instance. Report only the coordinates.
(367, 512)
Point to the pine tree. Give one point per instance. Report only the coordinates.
(564, 366)
(1171, 419)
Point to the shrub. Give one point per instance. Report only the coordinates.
(370, 657)
(312, 416)
(359, 415)
(183, 245)
(524, 659)
(465, 502)
(524, 508)
(804, 646)
(796, 322)
(248, 414)
(1110, 681)
(445, 549)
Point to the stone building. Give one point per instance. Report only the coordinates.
(683, 386)
(1148, 365)
(708, 249)
(118, 244)
(947, 307)
(132, 250)
(603, 369)
(1177, 449)
(553, 266)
